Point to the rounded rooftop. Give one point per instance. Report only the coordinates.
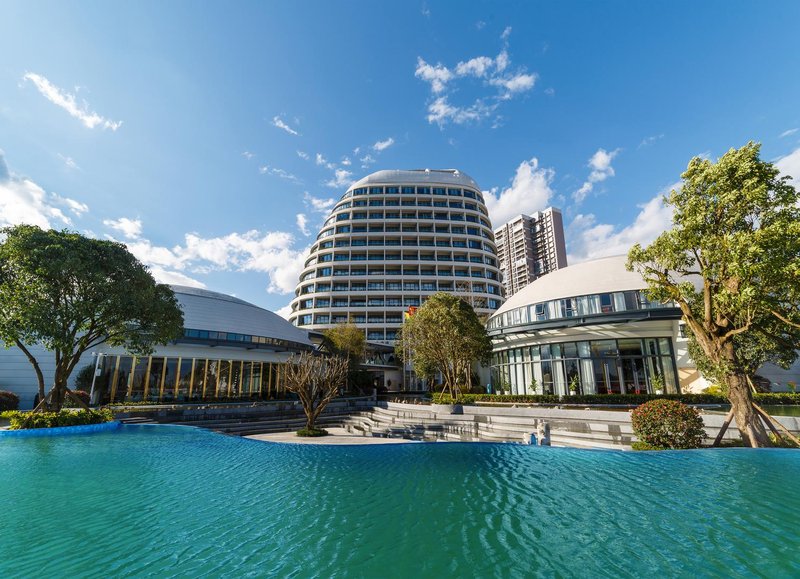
(213, 311)
(422, 176)
(604, 275)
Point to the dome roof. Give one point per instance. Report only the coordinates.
(604, 275)
(420, 176)
(207, 310)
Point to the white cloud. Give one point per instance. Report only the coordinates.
(515, 84)
(590, 240)
(790, 165)
(302, 155)
(285, 311)
(347, 162)
(68, 161)
(788, 132)
(492, 72)
(437, 75)
(318, 204)
(529, 192)
(271, 252)
(647, 141)
(341, 178)
(67, 101)
(267, 170)
(600, 164)
(302, 224)
(248, 155)
(24, 201)
(383, 145)
(174, 277)
(278, 122)
(506, 33)
(477, 66)
(440, 111)
(366, 161)
(480, 25)
(320, 160)
(130, 228)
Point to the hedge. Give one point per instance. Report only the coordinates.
(662, 424)
(8, 400)
(775, 398)
(24, 420)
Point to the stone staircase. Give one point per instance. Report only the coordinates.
(573, 428)
(420, 423)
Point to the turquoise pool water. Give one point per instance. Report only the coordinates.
(173, 501)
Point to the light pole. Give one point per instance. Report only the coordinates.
(99, 358)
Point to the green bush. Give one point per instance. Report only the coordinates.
(312, 432)
(8, 400)
(590, 399)
(777, 398)
(668, 424)
(24, 420)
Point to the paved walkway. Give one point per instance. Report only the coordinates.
(337, 435)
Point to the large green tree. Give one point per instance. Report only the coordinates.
(445, 336)
(349, 342)
(731, 263)
(71, 293)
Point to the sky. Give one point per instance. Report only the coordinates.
(213, 137)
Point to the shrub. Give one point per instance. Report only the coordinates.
(8, 400)
(312, 432)
(668, 424)
(599, 399)
(24, 420)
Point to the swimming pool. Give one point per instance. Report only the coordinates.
(178, 501)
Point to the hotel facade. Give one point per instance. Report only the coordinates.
(393, 239)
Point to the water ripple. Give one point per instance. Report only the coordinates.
(182, 502)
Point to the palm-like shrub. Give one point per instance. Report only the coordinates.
(662, 424)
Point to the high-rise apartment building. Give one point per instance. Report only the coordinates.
(393, 239)
(529, 246)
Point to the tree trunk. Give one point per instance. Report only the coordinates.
(35, 363)
(747, 420)
(59, 391)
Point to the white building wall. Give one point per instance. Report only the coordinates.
(18, 376)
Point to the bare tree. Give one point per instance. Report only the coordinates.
(316, 381)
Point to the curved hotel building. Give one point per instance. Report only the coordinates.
(590, 325)
(394, 238)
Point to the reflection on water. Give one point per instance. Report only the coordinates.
(176, 501)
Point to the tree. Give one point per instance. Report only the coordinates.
(736, 233)
(316, 381)
(446, 336)
(348, 341)
(71, 293)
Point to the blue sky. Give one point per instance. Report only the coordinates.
(212, 137)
